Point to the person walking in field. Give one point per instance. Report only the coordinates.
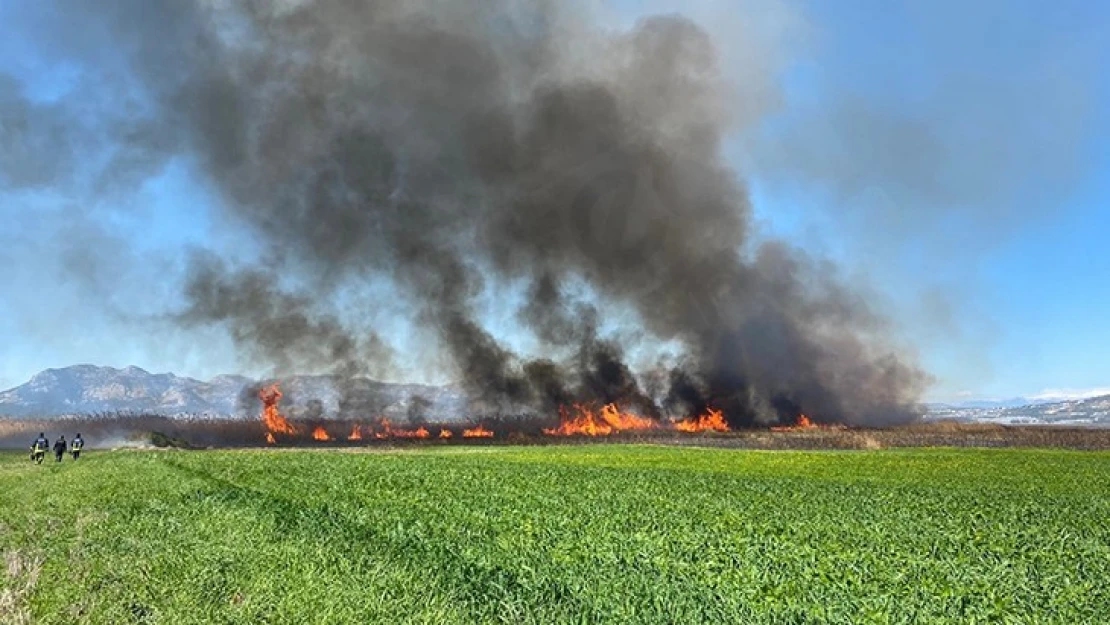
(76, 445)
(39, 447)
(60, 448)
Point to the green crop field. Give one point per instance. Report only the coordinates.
(583, 534)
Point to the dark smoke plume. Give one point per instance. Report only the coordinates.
(445, 145)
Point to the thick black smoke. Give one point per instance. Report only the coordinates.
(443, 145)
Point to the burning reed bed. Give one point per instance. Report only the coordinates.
(113, 430)
(554, 534)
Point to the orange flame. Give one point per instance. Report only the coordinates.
(477, 432)
(271, 415)
(805, 423)
(320, 434)
(584, 421)
(417, 433)
(356, 433)
(445, 434)
(712, 420)
(624, 420)
(386, 430)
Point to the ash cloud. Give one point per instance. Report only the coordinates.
(443, 146)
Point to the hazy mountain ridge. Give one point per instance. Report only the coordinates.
(85, 389)
(1012, 402)
(1091, 411)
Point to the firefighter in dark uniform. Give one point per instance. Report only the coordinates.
(39, 447)
(60, 448)
(76, 445)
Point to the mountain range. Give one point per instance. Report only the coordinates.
(1088, 411)
(90, 389)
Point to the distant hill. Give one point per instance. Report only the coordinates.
(1091, 411)
(1013, 402)
(84, 389)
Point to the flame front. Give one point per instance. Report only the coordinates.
(583, 420)
(417, 433)
(385, 432)
(477, 432)
(805, 423)
(578, 420)
(271, 414)
(711, 421)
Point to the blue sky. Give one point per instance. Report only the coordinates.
(1014, 270)
(953, 158)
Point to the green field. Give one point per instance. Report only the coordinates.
(599, 533)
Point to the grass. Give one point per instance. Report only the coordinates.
(574, 534)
